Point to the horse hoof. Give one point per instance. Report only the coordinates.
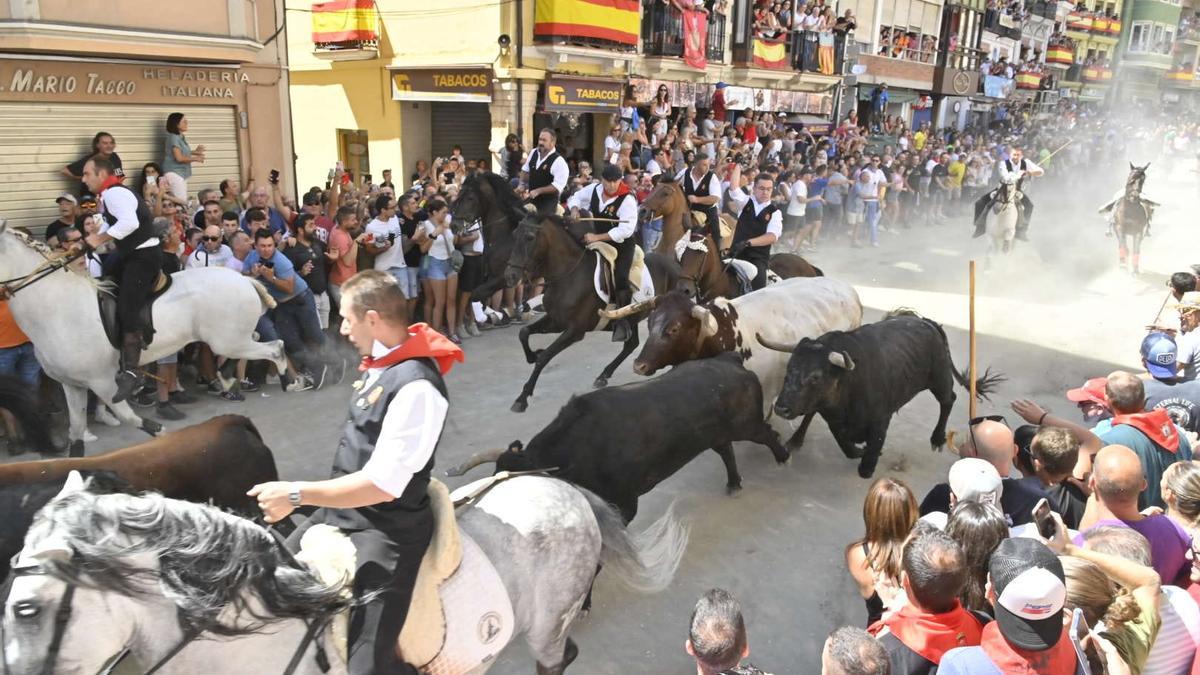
(75, 449)
(733, 490)
(519, 406)
(532, 357)
(600, 383)
(151, 427)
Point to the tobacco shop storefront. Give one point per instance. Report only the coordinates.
(582, 111)
(444, 107)
(51, 108)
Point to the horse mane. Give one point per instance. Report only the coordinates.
(208, 560)
(43, 249)
(509, 201)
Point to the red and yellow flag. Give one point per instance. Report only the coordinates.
(770, 54)
(344, 21)
(613, 20)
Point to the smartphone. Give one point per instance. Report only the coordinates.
(1043, 518)
(339, 166)
(274, 178)
(152, 180)
(1089, 654)
(268, 263)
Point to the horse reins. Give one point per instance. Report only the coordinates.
(42, 271)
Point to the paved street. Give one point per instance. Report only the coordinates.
(1047, 320)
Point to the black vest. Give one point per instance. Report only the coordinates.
(145, 228)
(367, 410)
(1009, 165)
(609, 213)
(691, 189)
(540, 176)
(750, 226)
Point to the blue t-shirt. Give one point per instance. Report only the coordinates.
(817, 187)
(284, 269)
(274, 221)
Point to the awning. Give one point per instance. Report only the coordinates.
(581, 94)
(472, 85)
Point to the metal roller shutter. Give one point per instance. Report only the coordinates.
(465, 124)
(38, 139)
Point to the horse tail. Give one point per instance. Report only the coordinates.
(644, 561)
(20, 400)
(264, 297)
(985, 385)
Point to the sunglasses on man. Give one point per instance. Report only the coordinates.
(208, 238)
(974, 421)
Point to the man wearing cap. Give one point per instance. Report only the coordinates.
(68, 211)
(1091, 403)
(1157, 441)
(1015, 169)
(1188, 342)
(703, 192)
(545, 174)
(130, 226)
(932, 620)
(1165, 389)
(615, 209)
(759, 224)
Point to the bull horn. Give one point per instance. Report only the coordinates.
(628, 310)
(771, 344)
(481, 457)
(841, 360)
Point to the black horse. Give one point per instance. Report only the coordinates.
(1131, 218)
(551, 248)
(488, 198)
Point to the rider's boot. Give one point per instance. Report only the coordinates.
(981, 208)
(621, 328)
(129, 379)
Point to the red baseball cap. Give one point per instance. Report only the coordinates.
(1091, 391)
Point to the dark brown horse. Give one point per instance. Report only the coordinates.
(704, 273)
(551, 248)
(488, 198)
(1131, 218)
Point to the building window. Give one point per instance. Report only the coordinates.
(1139, 37)
(1168, 40)
(353, 151)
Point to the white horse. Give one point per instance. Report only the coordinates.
(189, 589)
(61, 315)
(1002, 218)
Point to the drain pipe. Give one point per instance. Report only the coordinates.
(520, 7)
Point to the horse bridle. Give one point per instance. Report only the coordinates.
(537, 227)
(63, 616)
(42, 271)
(703, 259)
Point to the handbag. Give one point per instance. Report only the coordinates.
(456, 260)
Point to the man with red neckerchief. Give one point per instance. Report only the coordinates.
(615, 210)
(381, 470)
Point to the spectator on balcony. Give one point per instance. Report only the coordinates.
(845, 23)
(660, 107)
(825, 56)
(766, 23)
(783, 12)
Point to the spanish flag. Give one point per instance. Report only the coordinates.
(344, 21)
(612, 20)
(770, 54)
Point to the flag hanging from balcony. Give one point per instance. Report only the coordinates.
(769, 54)
(344, 21)
(612, 20)
(695, 38)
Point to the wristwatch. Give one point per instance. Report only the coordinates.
(294, 495)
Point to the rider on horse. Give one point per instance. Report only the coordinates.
(759, 224)
(1133, 191)
(1014, 170)
(615, 210)
(382, 466)
(544, 176)
(703, 192)
(128, 222)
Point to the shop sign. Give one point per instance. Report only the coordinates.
(95, 82)
(442, 84)
(577, 94)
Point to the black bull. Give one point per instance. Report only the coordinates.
(858, 380)
(621, 442)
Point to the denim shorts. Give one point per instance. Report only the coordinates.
(435, 269)
(406, 278)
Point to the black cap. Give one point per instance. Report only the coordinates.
(611, 172)
(86, 196)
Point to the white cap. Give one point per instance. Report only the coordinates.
(1034, 594)
(974, 480)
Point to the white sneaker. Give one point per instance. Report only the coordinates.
(89, 437)
(301, 383)
(105, 417)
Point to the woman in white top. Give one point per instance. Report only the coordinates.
(660, 108)
(439, 279)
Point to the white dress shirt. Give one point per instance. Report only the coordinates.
(774, 225)
(122, 204)
(411, 428)
(393, 256)
(558, 168)
(714, 186)
(627, 212)
(1016, 173)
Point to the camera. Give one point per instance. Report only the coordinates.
(391, 237)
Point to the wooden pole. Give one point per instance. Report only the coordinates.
(971, 407)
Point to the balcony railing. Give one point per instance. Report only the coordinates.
(662, 32)
(1094, 23)
(993, 20)
(1044, 9)
(795, 50)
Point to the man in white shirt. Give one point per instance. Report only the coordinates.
(616, 210)
(387, 243)
(1014, 170)
(211, 252)
(545, 174)
(655, 166)
(759, 223)
(703, 192)
(1188, 342)
(381, 470)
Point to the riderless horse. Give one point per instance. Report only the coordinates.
(213, 305)
(1002, 218)
(188, 588)
(705, 273)
(1131, 213)
(551, 248)
(488, 198)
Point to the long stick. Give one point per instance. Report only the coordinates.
(1056, 151)
(971, 407)
(1161, 307)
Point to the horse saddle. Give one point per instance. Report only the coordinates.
(639, 275)
(460, 614)
(745, 273)
(108, 312)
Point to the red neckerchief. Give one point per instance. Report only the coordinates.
(422, 342)
(1156, 424)
(622, 189)
(932, 635)
(109, 182)
(1010, 660)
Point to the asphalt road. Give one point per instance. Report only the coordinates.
(1050, 315)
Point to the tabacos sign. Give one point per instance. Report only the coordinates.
(577, 94)
(83, 81)
(453, 84)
